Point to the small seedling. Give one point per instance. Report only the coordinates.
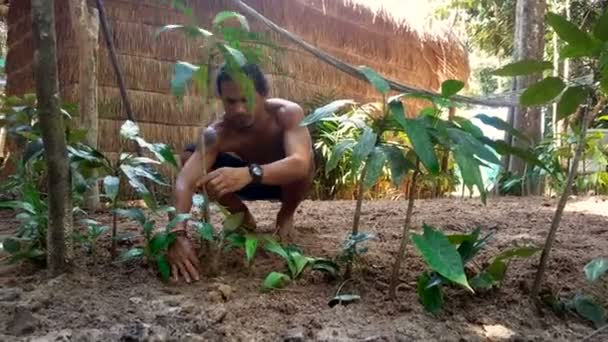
(94, 231)
(447, 256)
(156, 243)
(296, 263)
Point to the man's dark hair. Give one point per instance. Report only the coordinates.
(252, 71)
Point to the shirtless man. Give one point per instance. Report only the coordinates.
(274, 160)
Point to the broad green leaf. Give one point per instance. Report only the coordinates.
(596, 268)
(600, 31)
(523, 67)
(177, 219)
(233, 55)
(450, 88)
(542, 92)
(497, 270)
(192, 31)
(397, 111)
(274, 280)
(502, 125)
(325, 111)
(483, 280)
(163, 153)
(343, 299)
(233, 221)
(504, 149)
(276, 248)
(129, 129)
(472, 146)
(604, 83)
(132, 254)
(225, 15)
(430, 111)
(144, 171)
(469, 170)
(572, 98)
(110, 186)
(11, 245)
(158, 243)
(418, 135)
(251, 246)
(182, 75)
(19, 205)
(375, 164)
(205, 230)
(590, 309)
(297, 263)
(441, 255)
(574, 51)
(326, 266)
(201, 78)
(397, 163)
(568, 31)
(337, 153)
(467, 248)
(133, 213)
(430, 297)
(235, 239)
(136, 161)
(522, 252)
(363, 148)
(163, 267)
(375, 79)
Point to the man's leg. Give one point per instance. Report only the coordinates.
(291, 197)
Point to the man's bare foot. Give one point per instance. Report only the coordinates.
(285, 230)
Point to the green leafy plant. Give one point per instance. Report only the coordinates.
(137, 170)
(91, 235)
(589, 47)
(156, 243)
(296, 263)
(448, 256)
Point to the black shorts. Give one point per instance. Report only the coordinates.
(251, 192)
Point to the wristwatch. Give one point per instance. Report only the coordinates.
(256, 173)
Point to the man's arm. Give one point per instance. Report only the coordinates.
(298, 148)
(191, 172)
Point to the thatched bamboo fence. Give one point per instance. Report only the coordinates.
(348, 31)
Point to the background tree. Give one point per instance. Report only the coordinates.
(53, 136)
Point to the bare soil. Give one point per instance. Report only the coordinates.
(107, 301)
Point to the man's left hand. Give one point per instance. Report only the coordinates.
(225, 180)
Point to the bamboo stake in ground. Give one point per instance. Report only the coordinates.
(588, 115)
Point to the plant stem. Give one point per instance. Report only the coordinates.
(406, 227)
(357, 218)
(113, 250)
(564, 198)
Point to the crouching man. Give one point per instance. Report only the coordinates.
(261, 154)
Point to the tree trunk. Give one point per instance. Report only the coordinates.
(86, 26)
(529, 43)
(59, 251)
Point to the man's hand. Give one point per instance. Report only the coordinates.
(183, 260)
(225, 180)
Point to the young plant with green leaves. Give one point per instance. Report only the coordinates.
(296, 263)
(587, 100)
(89, 238)
(156, 242)
(447, 256)
(236, 46)
(137, 170)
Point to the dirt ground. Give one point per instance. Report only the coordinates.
(126, 302)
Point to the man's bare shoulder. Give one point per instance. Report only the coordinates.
(288, 114)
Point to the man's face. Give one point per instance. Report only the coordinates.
(235, 104)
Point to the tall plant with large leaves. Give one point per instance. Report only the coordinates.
(583, 102)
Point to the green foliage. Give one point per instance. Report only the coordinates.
(156, 242)
(447, 257)
(92, 234)
(296, 263)
(596, 268)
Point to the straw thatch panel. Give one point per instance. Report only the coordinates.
(350, 32)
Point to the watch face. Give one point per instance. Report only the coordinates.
(257, 171)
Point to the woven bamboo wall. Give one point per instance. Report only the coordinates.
(347, 31)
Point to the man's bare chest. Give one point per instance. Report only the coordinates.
(259, 146)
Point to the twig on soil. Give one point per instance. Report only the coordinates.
(586, 338)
